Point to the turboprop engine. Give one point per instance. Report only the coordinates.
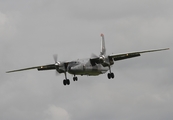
(104, 61)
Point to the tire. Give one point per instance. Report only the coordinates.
(64, 82)
(112, 75)
(68, 82)
(109, 76)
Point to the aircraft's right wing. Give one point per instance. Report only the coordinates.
(39, 68)
(117, 57)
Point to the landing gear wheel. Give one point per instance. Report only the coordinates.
(74, 78)
(66, 82)
(112, 75)
(109, 76)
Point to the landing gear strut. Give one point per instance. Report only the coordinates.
(110, 74)
(66, 81)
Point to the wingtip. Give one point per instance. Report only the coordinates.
(166, 49)
(9, 71)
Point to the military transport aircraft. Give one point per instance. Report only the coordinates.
(93, 66)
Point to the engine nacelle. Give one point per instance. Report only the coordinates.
(61, 67)
(106, 61)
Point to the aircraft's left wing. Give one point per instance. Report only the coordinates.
(117, 57)
(39, 68)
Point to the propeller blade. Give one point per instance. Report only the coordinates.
(55, 58)
(94, 56)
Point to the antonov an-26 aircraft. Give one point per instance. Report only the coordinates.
(93, 66)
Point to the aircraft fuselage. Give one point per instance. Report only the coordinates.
(84, 67)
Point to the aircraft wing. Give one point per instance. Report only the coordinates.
(117, 57)
(39, 68)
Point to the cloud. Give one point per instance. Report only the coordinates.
(3, 22)
(101, 10)
(57, 113)
(3, 19)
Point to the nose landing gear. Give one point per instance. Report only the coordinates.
(75, 78)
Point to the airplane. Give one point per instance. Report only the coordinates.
(93, 66)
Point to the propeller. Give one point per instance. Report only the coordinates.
(102, 59)
(55, 57)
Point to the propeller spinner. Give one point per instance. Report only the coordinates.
(57, 64)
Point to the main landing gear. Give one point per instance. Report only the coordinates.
(66, 81)
(110, 74)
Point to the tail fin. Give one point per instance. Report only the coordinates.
(103, 48)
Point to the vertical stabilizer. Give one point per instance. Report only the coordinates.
(103, 48)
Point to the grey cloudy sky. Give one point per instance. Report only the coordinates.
(31, 31)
